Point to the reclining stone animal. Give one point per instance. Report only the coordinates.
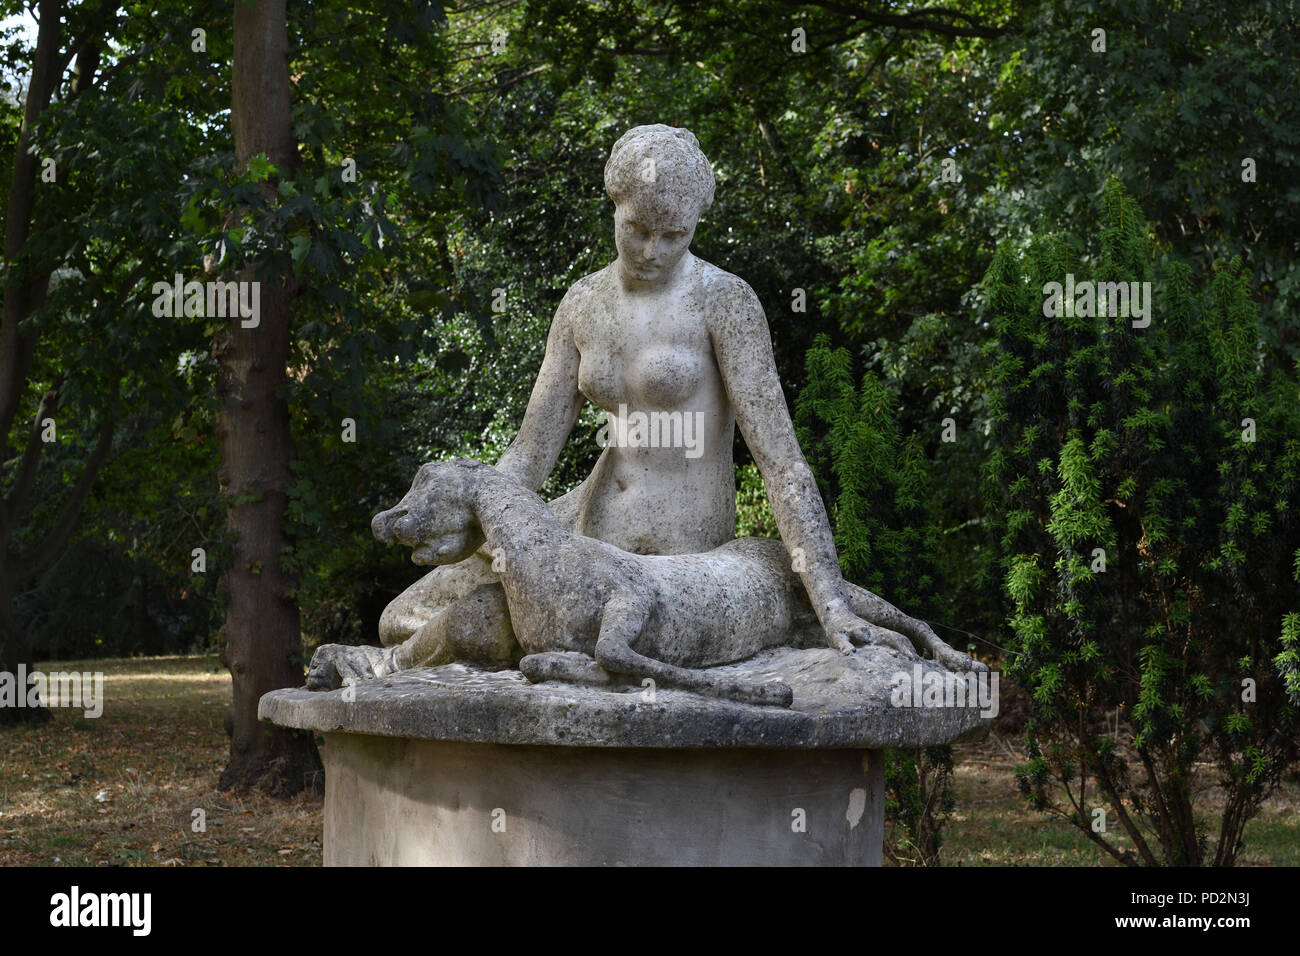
(583, 610)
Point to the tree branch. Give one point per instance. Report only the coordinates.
(25, 567)
(17, 497)
(929, 19)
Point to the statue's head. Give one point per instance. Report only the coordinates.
(435, 518)
(661, 184)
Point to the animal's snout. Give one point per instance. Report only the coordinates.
(388, 525)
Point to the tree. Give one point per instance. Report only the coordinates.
(24, 291)
(79, 349)
(324, 228)
(1145, 479)
(260, 638)
(1191, 109)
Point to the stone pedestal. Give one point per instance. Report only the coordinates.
(459, 765)
(397, 801)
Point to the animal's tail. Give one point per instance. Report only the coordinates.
(578, 668)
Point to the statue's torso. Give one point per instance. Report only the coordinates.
(651, 354)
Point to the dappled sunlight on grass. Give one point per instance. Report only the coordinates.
(123, 789)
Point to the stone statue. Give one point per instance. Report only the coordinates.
(583, 609)
(575, 681)
(656, 336)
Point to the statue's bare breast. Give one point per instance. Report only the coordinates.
(651, 356)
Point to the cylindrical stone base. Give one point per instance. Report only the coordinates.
(413, 802)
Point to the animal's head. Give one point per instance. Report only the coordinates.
(435, 518)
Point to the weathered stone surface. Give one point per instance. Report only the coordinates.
(392, 801)
(584, 609)
(840, 701)
(676, 353)
(632, 575)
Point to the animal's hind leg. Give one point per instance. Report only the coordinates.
(878, 611)
(623, 619)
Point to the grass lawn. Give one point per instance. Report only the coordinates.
(994, 826)
(121, 790)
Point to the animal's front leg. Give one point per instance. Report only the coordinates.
(336, 665)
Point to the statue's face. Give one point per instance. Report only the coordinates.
(652, 238)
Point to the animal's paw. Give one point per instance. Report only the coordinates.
(338, 665)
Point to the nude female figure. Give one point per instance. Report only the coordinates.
(657, 330)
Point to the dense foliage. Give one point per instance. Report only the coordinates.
(1147, 477)
(876, 487)
(896, 182)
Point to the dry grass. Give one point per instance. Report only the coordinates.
(122, 789)
(993, 824)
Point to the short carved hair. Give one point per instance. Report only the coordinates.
(679, 167)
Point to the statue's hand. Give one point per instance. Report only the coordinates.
(845, 631)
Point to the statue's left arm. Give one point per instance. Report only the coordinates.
(743, 346)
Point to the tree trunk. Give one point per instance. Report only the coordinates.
(17, 348)
(15, 650)
(260, 636)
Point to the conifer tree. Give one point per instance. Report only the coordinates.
(876, 486)
(1145, 479)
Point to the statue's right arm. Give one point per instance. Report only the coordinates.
(553, 407)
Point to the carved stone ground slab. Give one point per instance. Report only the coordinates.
(840, 701)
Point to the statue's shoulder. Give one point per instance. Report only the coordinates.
(593, 285)
(720, 287)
